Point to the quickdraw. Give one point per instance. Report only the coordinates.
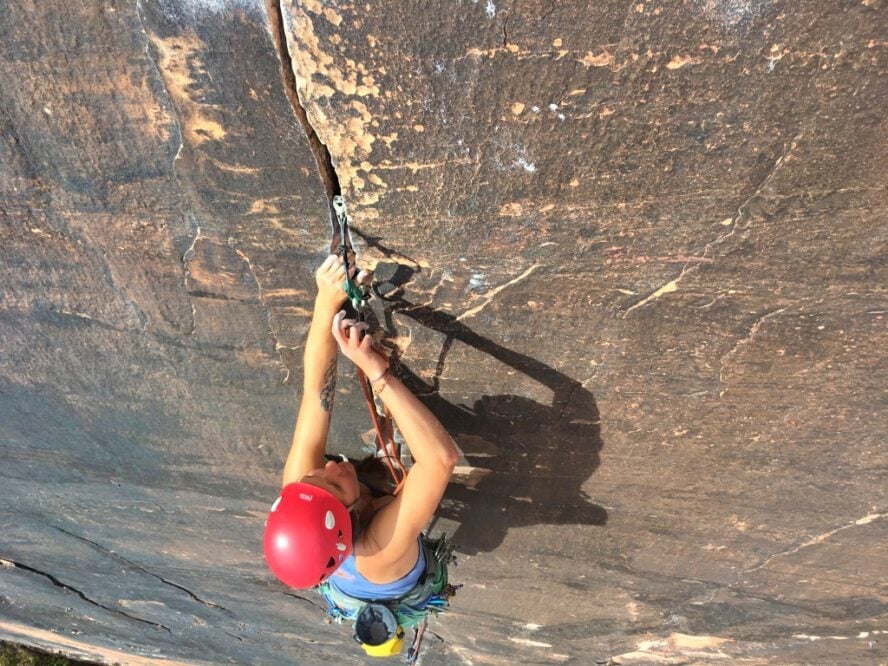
(388, 450)
(357, 294)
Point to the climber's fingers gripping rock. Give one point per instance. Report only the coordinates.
(330, 278)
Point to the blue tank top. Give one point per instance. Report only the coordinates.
(348, 580)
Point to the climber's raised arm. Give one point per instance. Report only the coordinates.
(388, 547)
(319, 384)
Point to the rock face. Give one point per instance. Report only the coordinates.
(636, 264)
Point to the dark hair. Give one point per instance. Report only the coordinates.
(373, 473)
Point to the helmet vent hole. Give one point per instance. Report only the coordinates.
(330, 520)
(331, 563)
(340, 534)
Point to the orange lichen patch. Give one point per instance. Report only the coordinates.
(605, 112)
(517, 108)
(277, 223)
(419, 128)
(513, 209)
(319, 76)
(211, 276)
(475, 52)
(270, 294)
(603, 59)
(179, 63)
(231, 168)
(574, 183)
(332, 16)
(419, 166)
(741, 525)
(263, 206)
(557, 42)
(65, 102)
(254, 358)
(294, 310)
(680, 61)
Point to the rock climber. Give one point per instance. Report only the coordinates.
(328, 526)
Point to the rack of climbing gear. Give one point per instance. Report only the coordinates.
(388, 450)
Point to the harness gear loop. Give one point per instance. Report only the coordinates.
(389, 451)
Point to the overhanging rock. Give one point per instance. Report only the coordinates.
(636, 264)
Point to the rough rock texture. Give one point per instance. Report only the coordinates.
(639, 252)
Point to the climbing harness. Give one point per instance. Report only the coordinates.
(380, 624)
(431, 594)
(388, 450)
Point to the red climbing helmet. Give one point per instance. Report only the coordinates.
(308, 534)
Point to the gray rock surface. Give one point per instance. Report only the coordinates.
(637, 263)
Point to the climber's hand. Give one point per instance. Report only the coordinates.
(330, 278)
(357, 345)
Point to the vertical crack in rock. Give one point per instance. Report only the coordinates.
(141, 568)
(324, 161)
(187, 256)
(179, 133)
(55, 581)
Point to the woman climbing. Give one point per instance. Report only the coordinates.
(327, 529)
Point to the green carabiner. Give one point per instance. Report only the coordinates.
(357, 295)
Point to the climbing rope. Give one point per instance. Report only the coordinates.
(413, 651)
(388, 450)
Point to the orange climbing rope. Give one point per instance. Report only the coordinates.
(387, 449)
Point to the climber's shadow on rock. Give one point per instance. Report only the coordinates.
(529, 460)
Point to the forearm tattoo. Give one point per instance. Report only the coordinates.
(328, 392)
